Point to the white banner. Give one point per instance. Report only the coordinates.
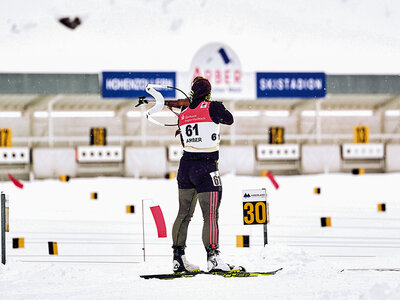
(221, 66)
(254, 195)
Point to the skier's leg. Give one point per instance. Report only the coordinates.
(187, 204)
(209, 190)
(209, 203)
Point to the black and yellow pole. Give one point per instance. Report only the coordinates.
(53, 248)
(18, 243)
(3, 228)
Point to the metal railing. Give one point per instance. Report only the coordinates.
(227, 139)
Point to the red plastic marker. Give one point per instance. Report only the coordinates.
(15, 181)
(272, 178)
(160, 222)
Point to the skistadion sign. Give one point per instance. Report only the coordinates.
(133, 84)
(291, 85)
(265, 85)
(221, 65)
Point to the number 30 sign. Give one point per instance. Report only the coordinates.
(254, 207)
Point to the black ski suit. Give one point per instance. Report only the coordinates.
(198, 177)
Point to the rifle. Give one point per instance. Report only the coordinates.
(160, 102)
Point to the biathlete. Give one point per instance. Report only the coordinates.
(198, 177)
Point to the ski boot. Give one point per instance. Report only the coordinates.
(180, 263)
(215, 263)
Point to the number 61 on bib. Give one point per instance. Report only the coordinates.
(255, 207)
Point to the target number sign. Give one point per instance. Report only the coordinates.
(254, 212)
(254, 207)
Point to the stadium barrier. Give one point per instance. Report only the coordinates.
(15, 160)
(363, 156)
(96, 154)
(278, 158)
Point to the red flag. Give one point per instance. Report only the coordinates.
(160, 222)
(15, 181)
(272, 178)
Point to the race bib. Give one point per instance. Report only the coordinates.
(216, 179)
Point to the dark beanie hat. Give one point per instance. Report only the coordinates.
(201, 88)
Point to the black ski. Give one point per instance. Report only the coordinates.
(218, 273)
(170, 276)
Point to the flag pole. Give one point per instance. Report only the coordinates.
(144, 247)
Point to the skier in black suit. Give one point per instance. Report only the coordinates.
(198, 176)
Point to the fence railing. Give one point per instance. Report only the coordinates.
(226, 139)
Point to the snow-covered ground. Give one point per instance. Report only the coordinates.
(334, 36)
(100, 245)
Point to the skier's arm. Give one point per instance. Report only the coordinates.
(219, 114)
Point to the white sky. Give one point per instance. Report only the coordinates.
(334, 36)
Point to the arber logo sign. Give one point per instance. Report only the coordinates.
(219, 64)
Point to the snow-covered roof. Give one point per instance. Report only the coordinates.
(335, 36)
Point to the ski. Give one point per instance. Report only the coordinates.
(372, 269)
(170, 276)
(236, 273)
(242, 273)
